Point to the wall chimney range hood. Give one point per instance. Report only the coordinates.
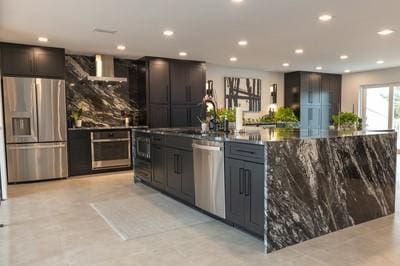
(105, 70)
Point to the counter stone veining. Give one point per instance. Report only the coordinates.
(106, 128)
(260, 136)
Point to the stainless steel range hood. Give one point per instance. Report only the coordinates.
(105, 70)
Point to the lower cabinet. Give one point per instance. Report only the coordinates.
(172, 171)
(79, 152)
(158, 166)
(244, 192)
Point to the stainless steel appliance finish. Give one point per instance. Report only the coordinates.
(51, 110)
(39, 161)
(209, 179)
(110, 149)
(36, 134)
(143, 147)
(141, 154)
(20, 110)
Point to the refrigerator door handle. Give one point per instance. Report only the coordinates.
(36, 146)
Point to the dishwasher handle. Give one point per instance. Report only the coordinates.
(206, 147)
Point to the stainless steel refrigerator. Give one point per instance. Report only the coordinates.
(35, 126)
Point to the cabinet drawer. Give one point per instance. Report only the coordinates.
(157, 139)
(177, 142)
(248, 152)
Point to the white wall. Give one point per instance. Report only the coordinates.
(351, 84)
(217, 74)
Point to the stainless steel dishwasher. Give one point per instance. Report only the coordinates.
(209, 179)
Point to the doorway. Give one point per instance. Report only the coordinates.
(380, 107)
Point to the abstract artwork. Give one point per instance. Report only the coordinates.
(243, 92)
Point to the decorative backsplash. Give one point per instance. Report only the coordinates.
(104, 102)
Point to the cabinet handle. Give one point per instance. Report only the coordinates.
(166, 93)
(179, 164)
(244, 151)
(175, 164)
(247, 177)
(241, 181)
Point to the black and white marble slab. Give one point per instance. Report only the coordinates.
(103, 102)
(317, 186)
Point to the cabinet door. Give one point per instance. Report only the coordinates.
(197, 82)
(234, 191)
(173, 169)
(159, 81)
(159, 115)
(187, 175)
(254, 197)
(49, 62)
(180, 93)
(79, 152)
(315, 83)
(17, 60)
(310, 117)
(180, 116)
(195, 115)
(158, 166)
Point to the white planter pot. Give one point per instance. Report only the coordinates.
(78, 123)
(204, 127)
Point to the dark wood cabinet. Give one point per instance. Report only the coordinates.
(17, 60)
(24, 60)
(49, 62)
(79, 152)
(314, 97)
(159, 115)
(159, 81)
(173, 182)
(178, 85)
(244, 193)
(158, 164)
(187, 175)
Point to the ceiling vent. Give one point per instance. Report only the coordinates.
(105, 31)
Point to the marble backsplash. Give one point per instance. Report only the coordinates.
(104, 102)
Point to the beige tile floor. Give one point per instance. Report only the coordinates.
(51, 223)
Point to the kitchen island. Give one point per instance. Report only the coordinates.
(314, 181)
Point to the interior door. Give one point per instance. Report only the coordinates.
(376, 103)
(20, 110)
(51, 110)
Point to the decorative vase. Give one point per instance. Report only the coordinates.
(78, 123)
(127, 120)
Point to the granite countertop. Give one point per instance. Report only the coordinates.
(107, 128)
(259, 135)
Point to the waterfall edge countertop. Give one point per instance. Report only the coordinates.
(260, 136)
(106, 128)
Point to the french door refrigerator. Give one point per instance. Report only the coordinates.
(35, 125)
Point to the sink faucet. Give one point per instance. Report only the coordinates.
(213, 116)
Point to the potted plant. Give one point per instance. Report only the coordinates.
(228, 114)
(76, 116)
(285, 117)
(347, 121)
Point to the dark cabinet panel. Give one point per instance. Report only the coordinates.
(173, 182)
(180, 116)
(159, 115)
(79, 152)
(49, 62)
(254, 197)
(159, 81)
(158, 166)
(195, 114)
(180, 90)
(17, 60)
(187, 173)
(197, 81)
(234, 191)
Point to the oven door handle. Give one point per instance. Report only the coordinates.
(109, 140)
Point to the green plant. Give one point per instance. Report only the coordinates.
(346, 120)
(285, 115)
(76, 115)
(230, 114)
(267, 118)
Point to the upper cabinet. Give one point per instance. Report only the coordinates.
(23, 60)
(175, 90)
(314, 97)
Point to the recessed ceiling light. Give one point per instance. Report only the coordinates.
(121, 47)
(325, 17)
(182, 54)
(344, 57)
(233, 59)
(242, 43)
(43, 39)
(168, 33)
(285, 64)
(318, 68)
(299, 51)
(236, 1)
(347, 71)
(380, 62)
(385, 32)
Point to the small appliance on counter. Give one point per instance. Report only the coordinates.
(35, 123)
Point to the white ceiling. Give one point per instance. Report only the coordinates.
(210, 29)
